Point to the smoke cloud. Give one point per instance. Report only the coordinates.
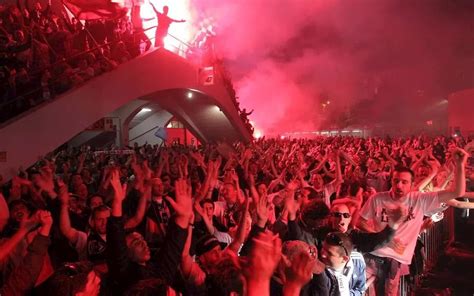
(289, 57)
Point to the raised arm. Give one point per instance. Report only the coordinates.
(200, 211)
(387, 156)
(320, 165)
(460, 204)
(264, 258)
(338, 178)
(80, 166)
(64, 221)
(190, 270)
(170, 255)
(434, 170)
(136, 219)
(298, 274)
(240, 236)
(154, 9)
(178, 21)
(25, 226)
(348, 158)
(460, 158)
(24, 276)
(117, 251)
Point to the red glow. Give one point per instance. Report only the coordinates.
(257, 134)
(177, 10)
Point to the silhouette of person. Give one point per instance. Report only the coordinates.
(245, 113)
(164, 22)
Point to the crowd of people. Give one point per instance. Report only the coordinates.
(274, 217)
(44, 54)
(226, 77)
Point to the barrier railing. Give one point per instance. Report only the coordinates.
(435, 241)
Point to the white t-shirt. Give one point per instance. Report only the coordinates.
(402, 246)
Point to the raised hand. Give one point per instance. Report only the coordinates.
(251, 180)
(44, 218)
(147, 172)
(264, 258)
(164, 156)
(263, 210)
(17, 181)
(46, 181)
(292, 206)
(182, 204)
(46, 221)
(63, 193)
(28, 223)
(198, 157)
(82, 157)
(198, 209)
(298, 273)
(248, 153)
(120, 190)
(460, 156)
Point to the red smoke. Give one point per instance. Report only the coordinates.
(289, 56)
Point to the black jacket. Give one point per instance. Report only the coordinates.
(364, 242)
(125, 273)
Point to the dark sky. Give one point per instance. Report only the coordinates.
(286, 56)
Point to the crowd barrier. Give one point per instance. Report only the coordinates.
(435, 240)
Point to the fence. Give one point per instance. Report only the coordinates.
(434, 240)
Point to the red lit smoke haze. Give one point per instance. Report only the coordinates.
(287, 57)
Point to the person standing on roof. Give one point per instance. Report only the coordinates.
(164, 22)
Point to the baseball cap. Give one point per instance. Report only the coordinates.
(205, 244)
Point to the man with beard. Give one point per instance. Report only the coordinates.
(388, 262)
(158, 213)
(89, 246)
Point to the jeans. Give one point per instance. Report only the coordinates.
(387, 273)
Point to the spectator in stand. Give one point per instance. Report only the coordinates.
(34, 40)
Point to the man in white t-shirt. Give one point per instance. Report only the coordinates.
(385, 263)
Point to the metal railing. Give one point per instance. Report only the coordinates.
(435, 240)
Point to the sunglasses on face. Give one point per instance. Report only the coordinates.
(339, 215)
(334, 239)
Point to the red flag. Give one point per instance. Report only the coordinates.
(95, 9)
